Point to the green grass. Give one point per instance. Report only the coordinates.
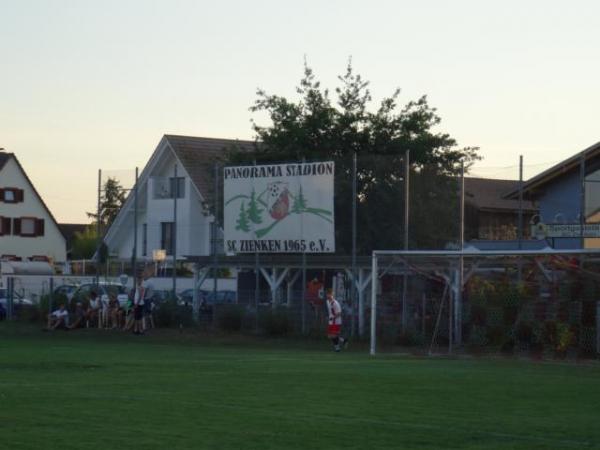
(94, 390)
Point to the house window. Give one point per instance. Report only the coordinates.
(5, 226)
(11, 195)
(144, 239)
(28, 227)
(166, 237)
(180, 185)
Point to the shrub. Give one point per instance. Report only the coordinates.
(229, 317)
(275, 322)
(477, 338)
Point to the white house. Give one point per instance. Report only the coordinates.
(28, 231)
(194, 160)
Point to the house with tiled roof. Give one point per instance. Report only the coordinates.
(492, 216)
(176, 188)
(28, 230)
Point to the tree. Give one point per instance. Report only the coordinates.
(316, 128)
(112, 199)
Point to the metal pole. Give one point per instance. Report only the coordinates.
(215, 231)
(353, 281)
(406, 221)
(10, 284)
(256, 284)
(461, 262)
(98, 231)
(303, 293)
(135, 228)
(374, 281)
(51, 296)
(582, 200)
(174, 229)
(520, 223)
(256, 287)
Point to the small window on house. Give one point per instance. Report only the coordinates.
(28, 227)
(166, 237)
(11, 195)
(177, 187)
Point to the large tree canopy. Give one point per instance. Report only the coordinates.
(317, 128)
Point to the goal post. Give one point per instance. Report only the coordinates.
(453, 269)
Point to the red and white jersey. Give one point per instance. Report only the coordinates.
(334, 311)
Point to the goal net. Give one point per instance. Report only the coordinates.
(538, 303)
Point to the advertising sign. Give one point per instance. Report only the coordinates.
(565, 230)
(279, 208)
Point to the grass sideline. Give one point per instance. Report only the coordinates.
(95, 389)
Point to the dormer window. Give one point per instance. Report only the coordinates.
(11, 195)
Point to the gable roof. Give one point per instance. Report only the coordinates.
(562, 168)
(198, 156)
(4, 160)
(489, 194)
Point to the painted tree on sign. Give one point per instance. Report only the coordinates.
(299, 202)
(242, 223)
(254, 211)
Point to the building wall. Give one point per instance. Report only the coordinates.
(193, 227)
(52, 244)
(560, 202)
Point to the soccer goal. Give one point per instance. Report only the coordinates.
(517, 301)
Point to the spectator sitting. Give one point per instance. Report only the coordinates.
(93, 311)
(58, 318)
(80, 316)
(114, 311)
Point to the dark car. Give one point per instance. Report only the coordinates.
(205, 297)
(65, 289)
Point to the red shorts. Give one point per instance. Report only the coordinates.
(333, 330)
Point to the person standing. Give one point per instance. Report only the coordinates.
(138, 307)
(334, 326)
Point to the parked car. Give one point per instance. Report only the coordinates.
(207, 297)
(103, 289)
(18, 299)
(65, 289)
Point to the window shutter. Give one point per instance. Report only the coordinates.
(5, 226)
(39, 227)
(1, 195)
(19, 195)
(17, 227)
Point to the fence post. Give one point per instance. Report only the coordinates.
(598, 327)
(10, 284)
(51, 295)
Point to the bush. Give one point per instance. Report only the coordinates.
(275, 322)
(229, 318)
(169, 314)
(478, 338)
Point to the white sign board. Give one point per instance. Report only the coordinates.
(279, 208)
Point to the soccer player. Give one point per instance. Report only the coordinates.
(334, 311)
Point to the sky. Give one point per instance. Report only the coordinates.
(88, 85)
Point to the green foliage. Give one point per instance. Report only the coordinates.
(275, 322)
(229, 317)
(299, 202)
(242, 221)
(112, 199)
(85, 243)
(317, 127)
(254, 210)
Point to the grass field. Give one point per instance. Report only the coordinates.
(93, 390)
